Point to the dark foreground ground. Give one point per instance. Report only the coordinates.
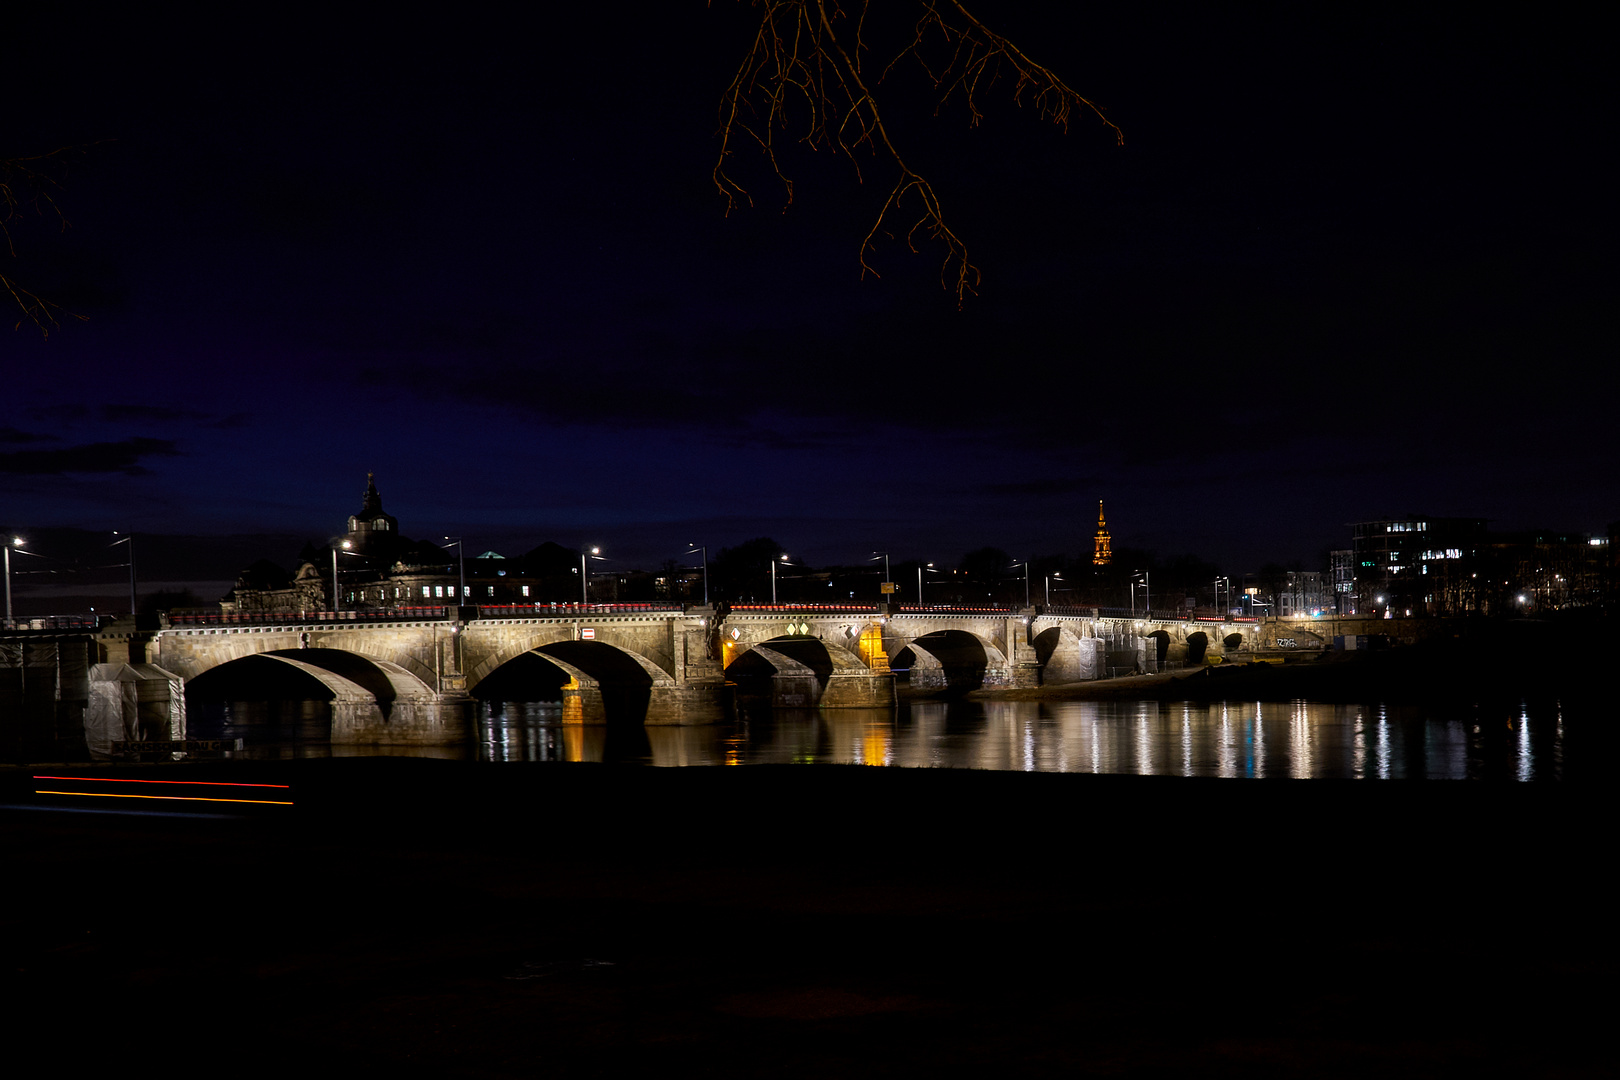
(415, 917)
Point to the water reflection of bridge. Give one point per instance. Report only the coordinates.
(407, 677)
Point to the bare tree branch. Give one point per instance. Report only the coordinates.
(797, 77)
(28, 189)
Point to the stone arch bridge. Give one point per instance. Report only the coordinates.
(408, 677)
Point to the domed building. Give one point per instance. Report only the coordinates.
(376, 568)
(372, 530)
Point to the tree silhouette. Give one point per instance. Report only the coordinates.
(28, 189)
(804, 78)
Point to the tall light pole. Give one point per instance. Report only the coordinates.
(585, 573)
(337, 597)
(1025, 565)
(15, 541)
(920, 569)
(1147, 594)
(461, 567)
(784, 560)
(1049, 578)
(705, 549)
(130, 540)
(884, 555)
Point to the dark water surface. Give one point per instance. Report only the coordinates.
(1299, 739)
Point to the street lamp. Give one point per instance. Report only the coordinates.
(705, 549)
(920, 569)
(337, 597)
(884, 555)
(461, 567)
(1049, 577)
(15, 541)
(1025, 565)
(130, 540)
(784, 561)
(1147, 593)
(585, 573)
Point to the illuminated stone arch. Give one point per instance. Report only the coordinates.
(1058, 651)
(541, 642)
(962, 658)
(802, 671)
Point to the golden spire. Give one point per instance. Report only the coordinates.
(1100, 553)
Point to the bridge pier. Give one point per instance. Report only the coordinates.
(443, 720)
(851, 691)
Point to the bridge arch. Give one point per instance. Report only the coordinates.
(346, 676)
(952, 661)
(274, 676)
(1197, 647)
(594, 658)
(190, 655)
(801, 670)
(1058, 650)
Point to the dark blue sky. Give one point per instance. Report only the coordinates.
(1346, 264)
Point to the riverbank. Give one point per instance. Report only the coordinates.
(456, 919)
(1428, 671)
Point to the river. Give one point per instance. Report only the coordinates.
(1247, 740)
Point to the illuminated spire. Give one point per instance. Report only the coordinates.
(1100, 553)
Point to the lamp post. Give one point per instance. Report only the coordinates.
(15, 541)
(1147, 595)
(461, 567)
(337, 597)
(130, 540)
(784, 560)
(920, 568)
(884, 555)
(1049, 578)
(1025, 565)
(585, 573)
(705, 549)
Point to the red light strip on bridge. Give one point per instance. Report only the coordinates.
(169, 798)
(191, 783)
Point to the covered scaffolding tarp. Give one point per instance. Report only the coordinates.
(43, 683)
(133, 702)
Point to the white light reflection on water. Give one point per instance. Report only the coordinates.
(1228, 748)
(1299, 733)
(1144, 741)
(1383, 744)
(1257, 759)
(1186, 741)
(1526, 768)
(1358, 759)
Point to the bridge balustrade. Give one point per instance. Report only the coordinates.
(876, 609)
(530, 611)
(829, 609)
(51, 622)
(260, 618)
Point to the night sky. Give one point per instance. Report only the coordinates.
(1346, 264)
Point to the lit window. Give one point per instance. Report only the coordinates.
(424, 590)
(525, 590)
(489, 590)
(438, 590)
